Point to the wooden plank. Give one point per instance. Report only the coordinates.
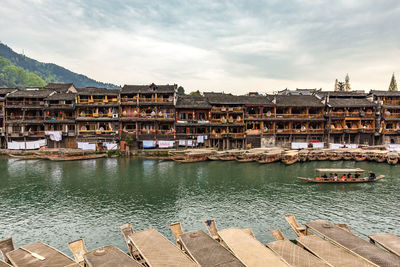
(3, 264)
(295, 255)
(109, 256)
(22, 258)
(206, 251)
(390, 242)
(354, 243)
(248, 250)
(158, 251)
(297, 228)
(334, 255)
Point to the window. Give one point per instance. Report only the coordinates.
(182, 116)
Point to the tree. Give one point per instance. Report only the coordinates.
(393, 84)
(181, 90)
(196, 93)
(347, 84)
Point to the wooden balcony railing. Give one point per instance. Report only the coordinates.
(283, 131)
(392, 102)
(13, 118)
(391, 115)
(129, 100)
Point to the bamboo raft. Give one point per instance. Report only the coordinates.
(390, 242)
(354, 243)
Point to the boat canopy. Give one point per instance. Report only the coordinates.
(340, 170)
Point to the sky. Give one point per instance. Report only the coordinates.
(232, 46)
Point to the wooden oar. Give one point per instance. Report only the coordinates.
(33, 254)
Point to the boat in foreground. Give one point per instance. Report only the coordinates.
(342, 176)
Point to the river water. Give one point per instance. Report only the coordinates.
(58, 202)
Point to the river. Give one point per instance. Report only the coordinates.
(58, 202)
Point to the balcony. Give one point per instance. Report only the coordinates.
(269, 131)
(253, 132)
(392, 102)
(316, 131)
(391, 115)
(216, 135)
(227, 109)
(237, 135)
(283, 131)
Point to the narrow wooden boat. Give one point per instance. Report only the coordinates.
(334, 155)
(290, 157)
(321, 155)
(359, 156)
(392, 158)
(347, 155)
(193, 157)
(229, 155)
(389, 241)
(303, 155)
(71, 158)
(380, 156)
(354, 243)
(27, 157)
(312, 155)
(342, 176)
(269, 157)
(248, 157)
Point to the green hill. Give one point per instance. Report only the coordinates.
(12, 76)
(50, 72)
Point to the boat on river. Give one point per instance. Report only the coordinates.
(248, 157)
(290, 157)
(230, 155)
(303, 155)
(60, 157)
(392, 158)
(270, 157)
(29, 156)
(194, 156)
(359, 155)
(341, 176)
(334, 154)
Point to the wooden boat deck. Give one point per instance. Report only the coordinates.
(158, 251)
(3, 264)
(295, 255)
(334, 255)
(109, 256)
(390, 242)
(248, 250)
(206, 251)
(53, 257)
(354, 243)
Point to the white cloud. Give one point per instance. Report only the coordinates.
(212, 45)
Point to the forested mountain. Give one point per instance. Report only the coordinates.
(48, 72)
(12, 76)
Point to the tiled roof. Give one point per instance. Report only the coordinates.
(152, 88)
(60, 87)
(385, 93)
(97, 91)
(191, 101)
(350, 102)
(62, 96)
(4, 91)
(31, 93)
(298, 101)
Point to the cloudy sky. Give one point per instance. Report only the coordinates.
(232, 46)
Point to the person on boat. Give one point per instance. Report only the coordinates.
(372, 175)
(343, 177)
(349, 176)
(331, 176)
(324, 176)
(357, 175)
